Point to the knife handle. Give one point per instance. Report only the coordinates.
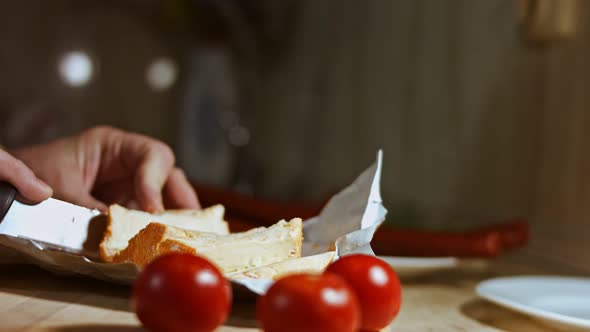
(7, 196)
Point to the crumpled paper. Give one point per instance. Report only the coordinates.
(349, 220)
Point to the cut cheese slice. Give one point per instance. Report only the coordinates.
(310, 264)
(123, 224)
(233, 252)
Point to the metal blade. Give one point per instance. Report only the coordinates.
(53, 221)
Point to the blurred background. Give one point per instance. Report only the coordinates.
(479, 105)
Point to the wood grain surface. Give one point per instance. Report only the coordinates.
(34, 300)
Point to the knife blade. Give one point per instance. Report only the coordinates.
(52, 221)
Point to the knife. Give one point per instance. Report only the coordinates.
(53, 222)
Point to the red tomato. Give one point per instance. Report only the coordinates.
(376, 286)
(310, 303)
(181, 292)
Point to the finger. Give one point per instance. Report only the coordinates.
(152, 174)
(147, 161)
(30, 188)
(178, 192)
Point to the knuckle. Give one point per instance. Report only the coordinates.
(179, 173)
(5, 158)
(13, 167)
(19, 164)
(164, 151)
(11, 163)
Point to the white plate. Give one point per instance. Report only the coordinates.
(559, 301)
(414, 266)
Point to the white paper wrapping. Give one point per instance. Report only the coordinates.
(349, 219)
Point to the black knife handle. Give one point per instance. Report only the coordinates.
(7, 196)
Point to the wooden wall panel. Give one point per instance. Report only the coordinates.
(562, 192)
(428, 82)
(35, 34)
(476, 125)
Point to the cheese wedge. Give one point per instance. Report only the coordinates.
(233, 252)
(123, 224)
(310, 264)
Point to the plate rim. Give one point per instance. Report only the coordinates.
(528, 309)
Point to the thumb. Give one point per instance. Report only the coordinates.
(30, 188)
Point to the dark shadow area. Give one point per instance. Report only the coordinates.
(34, 282)
(96, 230)
(503, 319)
(98, 328)
(243, 314)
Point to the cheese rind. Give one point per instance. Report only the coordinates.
(310, 264)
(123, 224)
(231, 253)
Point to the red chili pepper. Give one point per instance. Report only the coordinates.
(513, 233)
(397, 242)
(245, 212)
(263, 212)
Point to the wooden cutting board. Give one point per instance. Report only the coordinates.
(34, 300)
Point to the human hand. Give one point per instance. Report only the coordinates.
(30, 188)
(104, 166)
